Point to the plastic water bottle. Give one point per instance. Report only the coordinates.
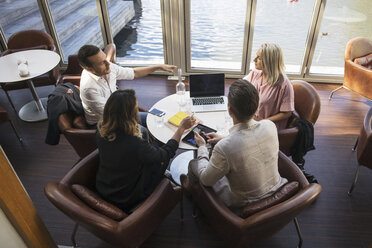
(181, 91)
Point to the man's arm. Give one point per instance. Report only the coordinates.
(144, 71)
(209, 172)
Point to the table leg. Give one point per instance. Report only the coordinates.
(34, 110)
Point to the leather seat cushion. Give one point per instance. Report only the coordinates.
(284, 193)
(94, 201)
(365, 61)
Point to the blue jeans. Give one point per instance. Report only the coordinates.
(143, 125)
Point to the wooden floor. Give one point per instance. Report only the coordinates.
(334, 220)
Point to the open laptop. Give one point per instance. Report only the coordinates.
(207, 92)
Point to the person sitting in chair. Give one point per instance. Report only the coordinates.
(243, 167)
(130, 168)
(274, 88)
(98, 80)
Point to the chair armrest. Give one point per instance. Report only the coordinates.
(358, 79)
(288, 169)
(72, 79)
(284, 212)
(287, 138)
(66, 201)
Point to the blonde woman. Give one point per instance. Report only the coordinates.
(274, 88)
(130, 167)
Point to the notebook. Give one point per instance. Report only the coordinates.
(207, 92)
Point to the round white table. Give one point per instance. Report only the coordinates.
(170, 106)
(38, 63)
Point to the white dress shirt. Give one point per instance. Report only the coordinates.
(243, 167)
(95, 90)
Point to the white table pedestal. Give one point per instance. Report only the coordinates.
(180, 165)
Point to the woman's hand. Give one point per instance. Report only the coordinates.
(213, 137)
(199, 139)
(187, 122)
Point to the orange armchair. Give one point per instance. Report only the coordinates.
(363, 147)
(120, 229)
(27, 40)
(243, 232)
(358, 67)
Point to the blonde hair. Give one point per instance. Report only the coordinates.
(120, 112)
(272, 62)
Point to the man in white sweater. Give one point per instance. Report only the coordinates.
(243, 167)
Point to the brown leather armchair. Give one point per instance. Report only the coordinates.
(242, 232)
(357, 75)
(26, 40)
(75, 130)
(364, 147)
(121, 229)
(4, 117)
(307, 107)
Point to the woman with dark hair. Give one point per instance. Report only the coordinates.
(274, 88)
(130, 167)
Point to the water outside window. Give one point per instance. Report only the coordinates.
(217, 33)
(285, 23)
(140, 42)
(342, 21)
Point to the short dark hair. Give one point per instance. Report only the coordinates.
(243, 99)
(85, 52)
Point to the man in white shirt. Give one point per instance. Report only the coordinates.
(99, 77)
(243, 167)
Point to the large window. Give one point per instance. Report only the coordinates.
(285, 23)
(201, 36)
(19, 15)
(140, 40)
(217, 34)
(342, 21)
(77, 24)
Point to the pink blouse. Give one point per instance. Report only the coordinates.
(273, 99)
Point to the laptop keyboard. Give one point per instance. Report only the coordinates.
(208, 101)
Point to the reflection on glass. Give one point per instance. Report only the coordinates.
(77, 24)
(285, 23)
(217, 33)
(342, 21)
(19, 15)
(139, 41)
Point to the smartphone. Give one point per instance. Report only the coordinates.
(156, 112)
(200, 128)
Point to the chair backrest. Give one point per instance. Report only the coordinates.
(357, 47)
(30, 38)
(364, 149)
(307, 100)
(75, 130)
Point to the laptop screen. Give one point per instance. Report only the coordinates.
(207, 85)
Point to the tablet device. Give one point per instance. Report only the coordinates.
(189, 138)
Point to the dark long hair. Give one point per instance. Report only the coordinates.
(120, 112)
